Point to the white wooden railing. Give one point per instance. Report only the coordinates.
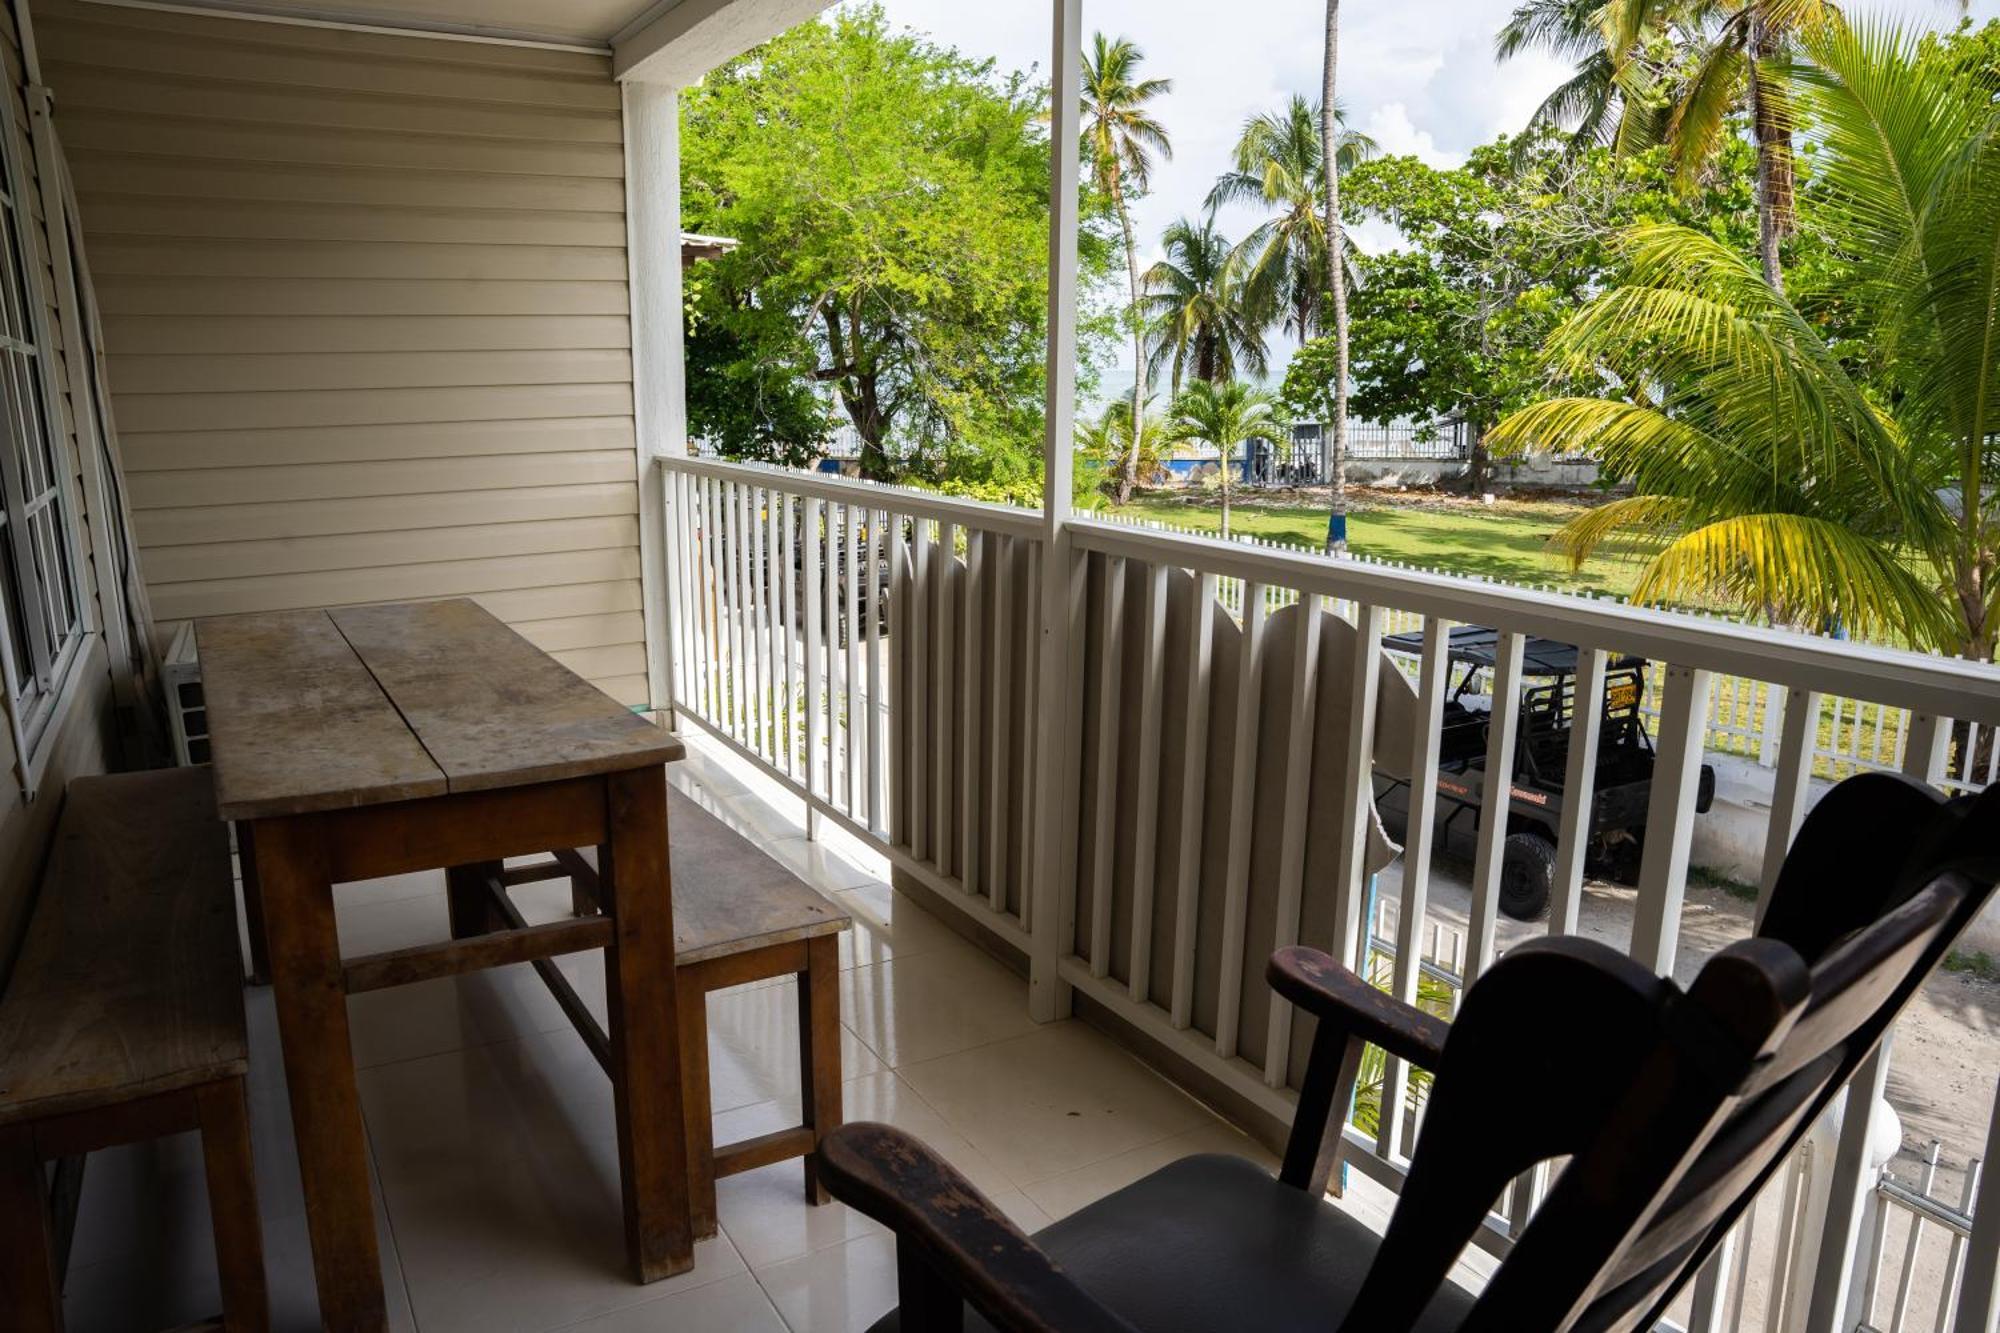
(1223, 709)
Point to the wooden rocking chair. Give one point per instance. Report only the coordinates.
(1671, 1107)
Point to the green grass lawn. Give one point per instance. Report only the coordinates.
(1507, 540)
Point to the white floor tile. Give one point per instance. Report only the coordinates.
(841, 1289)
(1060, 1195)
(1057, 1099)
(500, 1175)
(733, 1305)
(887, 925)
(934, 1003)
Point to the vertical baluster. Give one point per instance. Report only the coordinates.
(739, 580)
(919, 706)
(1791, 785)
(1146, 831)
(972, 709)
(776, 575)
(1194, 794)
(809, 538)
(1677, 749)
(831, 572)
(878, 778)
(1709, 1295)
(1303, 722)
(1104, 838)
(1000, 722)
(711, 625)
(945, 718)
(753, 611)
(791, 515)
(857, 721)
(1242, 833)
(1586, 726)
(1031, 692)
(1358, 764)
(1496, 799)
(901, 665)
(1420, 835)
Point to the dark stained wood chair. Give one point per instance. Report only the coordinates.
(739, 916)
(1672, 1107)
(123, 1021)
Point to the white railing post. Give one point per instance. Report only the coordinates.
(1656, 928)
(1851, 1191)
(659, 376)
(1055, 877)
(1979, 1297)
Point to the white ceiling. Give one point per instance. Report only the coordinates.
(583, 22)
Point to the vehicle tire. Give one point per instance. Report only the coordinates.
(1527, 875)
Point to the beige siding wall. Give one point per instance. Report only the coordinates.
(365, 303)
(80, 740)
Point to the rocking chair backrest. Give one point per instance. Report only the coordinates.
(1672, 1107)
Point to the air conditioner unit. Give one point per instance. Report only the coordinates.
(180, 677)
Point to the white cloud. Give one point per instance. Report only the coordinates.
(1391, 127)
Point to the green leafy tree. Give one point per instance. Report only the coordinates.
(1497, 253)
(1106, 444)
(745, 394)
(891, 199)
(1204, 324)
(1120, 137)
(1227, 415)
(1768, 471)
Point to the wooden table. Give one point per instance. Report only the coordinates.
(371, 741)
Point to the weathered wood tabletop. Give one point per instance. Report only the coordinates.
(328, 710)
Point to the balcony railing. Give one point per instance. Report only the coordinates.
(1207, 738)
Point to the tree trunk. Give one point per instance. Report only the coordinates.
(1771, 123)
(1129, 474)
(1479, 461)
(1336, 272)
(1224, 450)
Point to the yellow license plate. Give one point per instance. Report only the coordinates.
(1623, 694)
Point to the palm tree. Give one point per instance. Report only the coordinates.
(1764, 473)
(1119, 139)
(1194, 302)
(1336, 272)
(1280, 164)
(1736, 65)
(1108, 442)
(1607, 100)
(1226, 415)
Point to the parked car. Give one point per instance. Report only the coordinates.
(1624, 770)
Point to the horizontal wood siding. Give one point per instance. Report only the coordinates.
(366, 307)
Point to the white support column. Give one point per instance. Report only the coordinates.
(659, 372)
(1055, 880)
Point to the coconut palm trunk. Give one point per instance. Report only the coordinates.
(1128, 475)
(1336, 272)
(1771, 124)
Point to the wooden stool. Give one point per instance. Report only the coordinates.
(124, 1022)
(739, 916)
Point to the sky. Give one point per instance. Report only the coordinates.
(1418, 75)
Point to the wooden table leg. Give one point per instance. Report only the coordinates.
(30, 1290)
(253, 905)
(232, 1206)
(467, 904)
(819, 1049)
(695, 1108)
(645, 1026)
(319, 1071)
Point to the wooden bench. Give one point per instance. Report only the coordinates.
(739, 916)
(123, 1021)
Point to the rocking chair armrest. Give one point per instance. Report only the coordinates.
(952, 1244)
(1335, 995)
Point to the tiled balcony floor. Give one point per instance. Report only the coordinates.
(490, 1130)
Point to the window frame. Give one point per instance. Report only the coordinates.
(34, 705)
